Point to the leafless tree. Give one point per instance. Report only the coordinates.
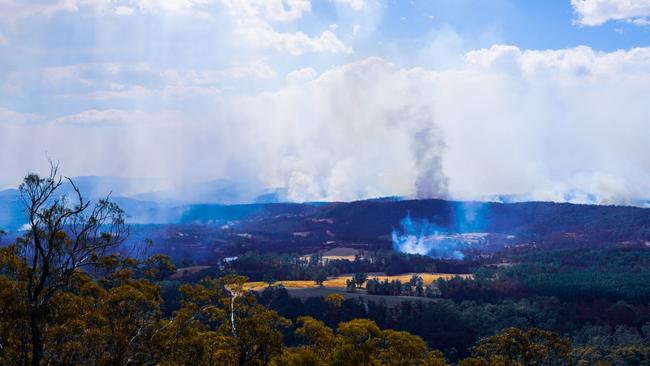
(64, 235)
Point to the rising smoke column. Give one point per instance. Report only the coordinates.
(427, 145)
(431, 182)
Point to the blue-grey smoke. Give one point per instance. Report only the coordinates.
(421, 236)
(426, 238)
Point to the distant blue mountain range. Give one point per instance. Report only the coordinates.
(148, 207)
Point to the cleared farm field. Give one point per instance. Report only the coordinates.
(339, 282)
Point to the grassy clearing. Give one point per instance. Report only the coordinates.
(339, 282)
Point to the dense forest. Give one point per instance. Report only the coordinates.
(67, 297)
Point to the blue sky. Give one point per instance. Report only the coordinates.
(334, 99)
(526, 24)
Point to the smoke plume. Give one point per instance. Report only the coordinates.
(425, 238)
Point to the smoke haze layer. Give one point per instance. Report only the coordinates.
(567, 125)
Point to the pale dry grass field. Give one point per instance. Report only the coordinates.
(340, 281)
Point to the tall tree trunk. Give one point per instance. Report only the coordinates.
(37, 341)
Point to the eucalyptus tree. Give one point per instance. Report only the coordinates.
(65, 233)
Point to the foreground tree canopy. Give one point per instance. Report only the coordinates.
(68, 298)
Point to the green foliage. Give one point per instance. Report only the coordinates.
(359, 278)
(516, 347)
(414, 287)
(158, 267)
(585, 275)
(319, 276)
(357, 342)
(336, 300)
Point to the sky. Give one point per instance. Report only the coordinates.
(334, 99)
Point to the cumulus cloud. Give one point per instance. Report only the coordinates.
(272, 10)
(258, 32)
(578, 125)
(88, 74)
(301, 75)
(10, 116)
(253, 24)
(114, 81)
(261, 34)
(19, 9)
(354, 4)
(95, 117)
(252, 21)
(597, 12)
(15, 9)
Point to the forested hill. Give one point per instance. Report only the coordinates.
(378, 218)
(374, 220)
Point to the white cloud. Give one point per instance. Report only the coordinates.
(354, 4)
(597, 12)
(574, 117)
(261, 34)
(640, 21)
(87, 74)
(19, 9)
(94, 116)
(301, 75)
(11, 116)
(107, 81)
(581, 63)
(252, 19)
(15, 12)
(122, 118)
(272, 10)
(15, 9)
(197, 7)
(124, 10)
(257, 69)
